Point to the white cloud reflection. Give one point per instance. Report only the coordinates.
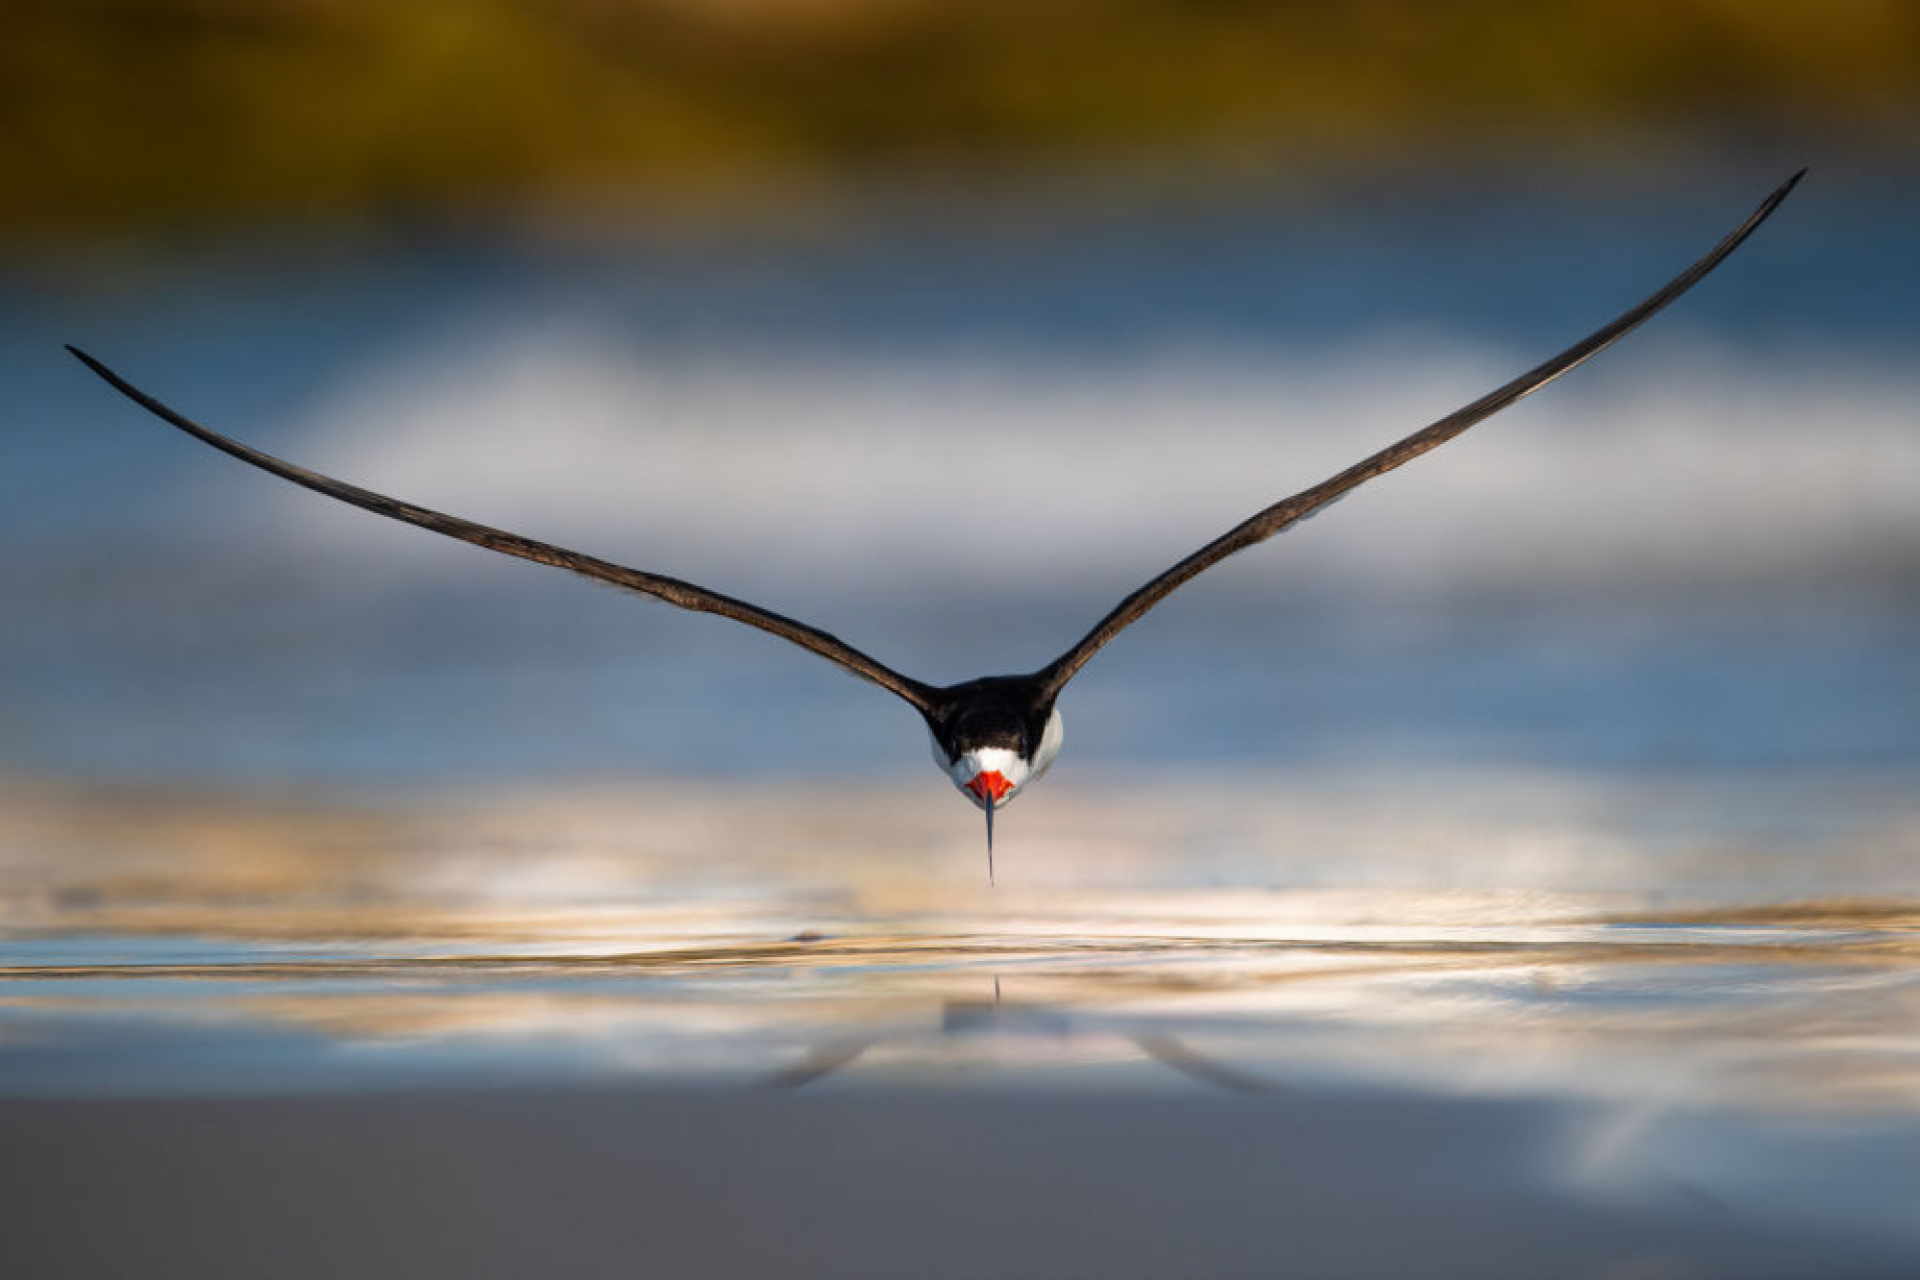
(1681, 462)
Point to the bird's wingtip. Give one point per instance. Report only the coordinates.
(87, 360)
(1785, 189)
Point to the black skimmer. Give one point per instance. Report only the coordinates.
(995, 735)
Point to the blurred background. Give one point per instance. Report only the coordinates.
(942, 326)
(1521, 855)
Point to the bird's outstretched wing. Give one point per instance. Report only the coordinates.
(1258, 528)
(672, 590)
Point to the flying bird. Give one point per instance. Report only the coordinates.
(993, 736)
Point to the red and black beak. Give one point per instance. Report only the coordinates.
(990, 787)
(990, 804)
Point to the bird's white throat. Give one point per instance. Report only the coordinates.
(1009, 764)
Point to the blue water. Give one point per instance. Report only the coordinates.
(169, 617)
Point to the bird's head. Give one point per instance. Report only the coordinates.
(988, 753)
(990, 749)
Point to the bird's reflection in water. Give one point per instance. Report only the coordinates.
(1003, 1019)
(1588, 940)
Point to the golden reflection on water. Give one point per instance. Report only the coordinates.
(1705, 943)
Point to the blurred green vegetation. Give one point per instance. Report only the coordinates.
(131, 115)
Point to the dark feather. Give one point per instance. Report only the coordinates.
(1053, 677)
(672, 590)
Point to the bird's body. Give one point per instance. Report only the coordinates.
(995, 735)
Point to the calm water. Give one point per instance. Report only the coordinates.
(1720, 944)
(1707, 992)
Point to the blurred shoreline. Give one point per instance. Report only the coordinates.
(185, 114)
(305, 862)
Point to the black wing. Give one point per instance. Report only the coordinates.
(672, 590)
(1053, 677)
